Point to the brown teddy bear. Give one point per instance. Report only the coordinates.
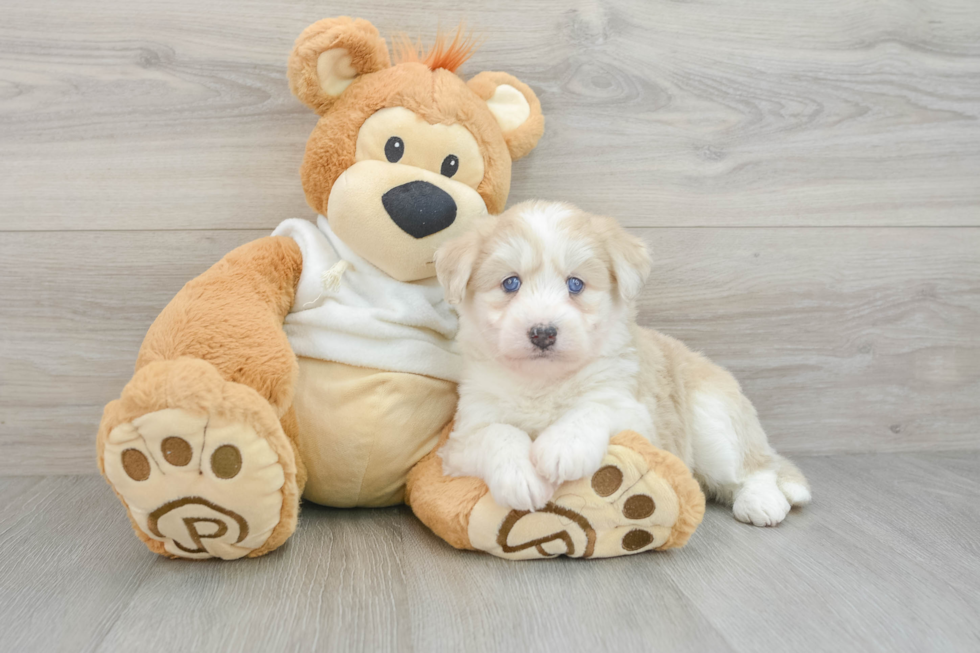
(319, 362)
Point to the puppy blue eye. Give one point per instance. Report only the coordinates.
(511, 284)
(575, 285)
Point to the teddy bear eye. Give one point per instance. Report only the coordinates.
(511, 284)
(395, 149)
(575, 285)
(450, 165)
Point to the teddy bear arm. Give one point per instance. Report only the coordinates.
(232, 317)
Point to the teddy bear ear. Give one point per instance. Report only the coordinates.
(516, 108)
(329, 55)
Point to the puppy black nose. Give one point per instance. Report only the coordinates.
(543, 336)
(419, 208)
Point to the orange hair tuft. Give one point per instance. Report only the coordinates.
(450, 55)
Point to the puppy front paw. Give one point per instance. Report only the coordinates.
(517, 486)
(560, 457)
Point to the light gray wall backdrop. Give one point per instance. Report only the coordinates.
(807, 176)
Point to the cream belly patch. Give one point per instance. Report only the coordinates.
(202, 486)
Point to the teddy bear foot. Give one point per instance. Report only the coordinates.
(201, 464)
(640, 499)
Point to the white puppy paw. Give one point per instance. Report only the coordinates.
(760, 501)
(796, 493)
(559, 457)
(516, 485)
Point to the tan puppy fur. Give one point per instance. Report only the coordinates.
(555, 365)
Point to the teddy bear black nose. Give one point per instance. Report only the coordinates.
(419, 208)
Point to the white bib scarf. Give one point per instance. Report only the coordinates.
(367, 319)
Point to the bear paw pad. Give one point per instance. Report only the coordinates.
(203, 486)
(623, 508)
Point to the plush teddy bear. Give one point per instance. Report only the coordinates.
(319, 362)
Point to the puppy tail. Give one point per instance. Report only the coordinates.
(791, 481)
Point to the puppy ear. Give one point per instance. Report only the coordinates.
(329, 55)
(516, 108)
(454, 265)
(629, 256)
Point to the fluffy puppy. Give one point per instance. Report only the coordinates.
(555, 365)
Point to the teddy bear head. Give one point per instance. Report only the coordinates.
(405, 156)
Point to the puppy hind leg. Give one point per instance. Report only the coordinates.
(734, 461)
(792, 483)
(716, 458)
(759, 500)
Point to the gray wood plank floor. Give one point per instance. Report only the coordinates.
(886, 559)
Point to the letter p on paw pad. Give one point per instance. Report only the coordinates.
(203, 486)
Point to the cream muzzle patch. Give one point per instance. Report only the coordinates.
(358, 215)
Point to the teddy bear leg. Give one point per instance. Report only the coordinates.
(641, 499)
(201, 464)
(200, 447)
